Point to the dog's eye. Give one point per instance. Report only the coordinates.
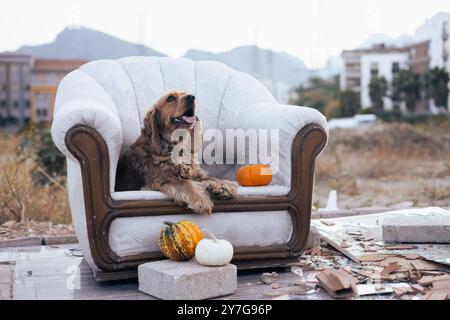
(171, 98)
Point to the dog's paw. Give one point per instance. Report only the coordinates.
(222, 190)
(186, 172)
(201, 205)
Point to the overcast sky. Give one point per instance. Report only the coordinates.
(311, 30)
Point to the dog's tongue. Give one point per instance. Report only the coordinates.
(189, 119)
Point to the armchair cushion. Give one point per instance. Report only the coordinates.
(130, 236)
(241, 191)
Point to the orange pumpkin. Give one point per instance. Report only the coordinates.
(254, 175)
(177, 241)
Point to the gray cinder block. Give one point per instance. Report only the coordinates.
(186, 280)
(433, 227)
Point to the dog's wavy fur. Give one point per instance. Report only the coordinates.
(147, 163)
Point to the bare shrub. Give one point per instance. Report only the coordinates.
(21, 198)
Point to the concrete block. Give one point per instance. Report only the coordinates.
(430, 226)
(313, 238)
(56, 240)
(21, 242)
(186, 280)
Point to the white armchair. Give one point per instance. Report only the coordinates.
(99, 111)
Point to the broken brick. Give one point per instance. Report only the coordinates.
(338, 283)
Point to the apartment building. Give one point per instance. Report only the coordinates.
(14, 89)
(361, 65)
(429, 48)
(46, 76)
(28, 87)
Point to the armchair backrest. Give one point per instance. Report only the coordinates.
(135, 83)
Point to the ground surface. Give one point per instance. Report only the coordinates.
(54, 272)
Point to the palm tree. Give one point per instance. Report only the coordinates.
(377, 91)
(437, 81)
(406, 87)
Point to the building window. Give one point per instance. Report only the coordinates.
(395, 67)
(374, 69)
(16, 104)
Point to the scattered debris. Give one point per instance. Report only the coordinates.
(442, 284)
(428, 280)
(344, 244)
(436, 295)
(417, 287)
(269, 277)
(407, 271)
(391, 268)
(13, 230)
(327, 222)
(372, 289)
(400, 247)
(316, 251)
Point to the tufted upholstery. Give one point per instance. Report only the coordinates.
(113, 96)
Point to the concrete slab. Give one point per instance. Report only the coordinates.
(432, 225)
(186, 280)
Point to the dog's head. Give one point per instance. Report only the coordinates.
(175, 110)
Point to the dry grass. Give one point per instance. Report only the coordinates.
(384, 165)
(21, 198)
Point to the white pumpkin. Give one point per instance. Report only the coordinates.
(213, 252)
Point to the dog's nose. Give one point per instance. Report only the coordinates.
(189, 98)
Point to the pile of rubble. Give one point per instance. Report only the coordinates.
(354, 260)
(30, 228)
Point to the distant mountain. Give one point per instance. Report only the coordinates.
(263, 64)
(334, 67)
(380, 38)
(87, 44)
(278, 71)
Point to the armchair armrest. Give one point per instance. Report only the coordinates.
(271, 115)
(82, 101)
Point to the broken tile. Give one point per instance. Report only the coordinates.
(427, 280)
(400, 247)
(436, 295)
(338, 283)
(441, 284)
(316, 251)
(417, 287)
(391, 268)
(374, 257)
(411, 256)
(327, 222)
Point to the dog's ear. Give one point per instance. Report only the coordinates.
(152, 129)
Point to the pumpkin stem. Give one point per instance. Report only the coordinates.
(168, 223)
(210, 234)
